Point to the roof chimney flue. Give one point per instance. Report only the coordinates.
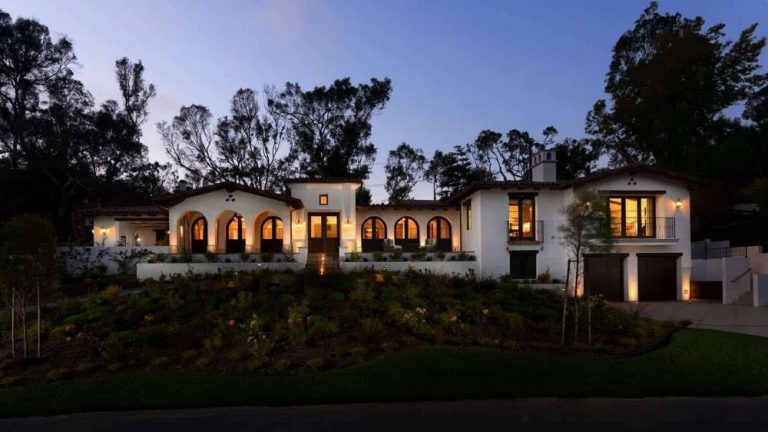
(544, 166)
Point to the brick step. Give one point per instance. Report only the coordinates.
(323, 263)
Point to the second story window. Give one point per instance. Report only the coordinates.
(324, 199)
(632, 216)
(522, 218)
(468, 211)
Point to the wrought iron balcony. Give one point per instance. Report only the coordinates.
(524, 231)
(643, 228)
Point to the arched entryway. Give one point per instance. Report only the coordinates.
(199, 233)
(235, 232)
(373, 233)
(439, 234)
(192, 233)
(272, 235)
(407, 233)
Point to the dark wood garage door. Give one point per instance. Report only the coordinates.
(657, 277)
(604, 276)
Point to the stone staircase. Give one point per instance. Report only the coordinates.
(744, 299)
(323, 262)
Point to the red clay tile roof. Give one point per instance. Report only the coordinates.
(125, 211)
(324, 180)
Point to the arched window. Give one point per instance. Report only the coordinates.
(272, 235)
(272, 228)
(236, 228)
(406, 228)
(439, 234)
(374, 229)
(439, 228)
(198, 229)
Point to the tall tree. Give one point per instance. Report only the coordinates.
(331, 126)
(433, 171)
(405, 166)
(457, 170)
(246, 147)
(31, 61)
(671, 81)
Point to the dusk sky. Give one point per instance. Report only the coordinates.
(457, 67)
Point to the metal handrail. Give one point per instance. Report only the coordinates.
(746, 272)
(644, 227)
(516, 230)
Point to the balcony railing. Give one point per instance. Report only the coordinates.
(524, 231)
(646, 227)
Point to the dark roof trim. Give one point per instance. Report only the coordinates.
(324, 180)
(566, 184)
(125, 211)
(229, 187)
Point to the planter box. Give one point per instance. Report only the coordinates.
(438, 267)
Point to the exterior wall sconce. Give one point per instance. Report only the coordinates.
(104, 232)
(678, 203)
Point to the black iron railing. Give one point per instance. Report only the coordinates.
(521, 230)
(646, 227)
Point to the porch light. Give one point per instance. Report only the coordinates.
(678, 203)
(104, 232)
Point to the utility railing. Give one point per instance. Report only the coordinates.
(524, 231)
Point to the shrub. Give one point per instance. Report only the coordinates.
(320, 327)
(158, 258)
(160, 361)
(418, 256)
(440, 255)
(358, 353)
(315, 363)
(202, 362)
(11, 380)
(112, 293)
(379, 256)
(56, 374)
(397, 255)
(245, 257)
(389, 346)
(267, 257)
(211, 257)
(372, 327)
(353, 257)
(545, 277)
(185, 257)
(189, 355)
(512, 322)
(337, 296)
(282, 365)
(84, 366)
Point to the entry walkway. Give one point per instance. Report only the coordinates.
(707, 315)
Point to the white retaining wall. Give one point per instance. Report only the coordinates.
(734, 288)
(438, 267)
(161, 270)
(77, 259)
(759, 290)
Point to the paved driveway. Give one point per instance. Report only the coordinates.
(708, 315)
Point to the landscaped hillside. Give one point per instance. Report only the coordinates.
(284, 323)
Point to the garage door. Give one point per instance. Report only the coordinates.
(657, 277)
(604, 276)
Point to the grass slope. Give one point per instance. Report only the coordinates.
(694, 363)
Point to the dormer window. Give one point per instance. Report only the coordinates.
(323, 199)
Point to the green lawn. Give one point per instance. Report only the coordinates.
(695, 363)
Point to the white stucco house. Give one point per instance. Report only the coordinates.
(490, 228)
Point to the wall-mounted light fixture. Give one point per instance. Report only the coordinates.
(104, 232)
(678, 203)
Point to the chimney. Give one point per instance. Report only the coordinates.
(544, 166)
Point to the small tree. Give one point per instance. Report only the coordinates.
(28, 263)
(586, 229)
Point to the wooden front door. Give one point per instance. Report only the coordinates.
(324, 233)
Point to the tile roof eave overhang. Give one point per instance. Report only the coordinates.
(157, 211)
(328, 180)
(471, 188)
(178, 197)
(404, 206)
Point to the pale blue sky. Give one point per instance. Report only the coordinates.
(457, 67)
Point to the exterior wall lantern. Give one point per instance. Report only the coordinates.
(679, 203)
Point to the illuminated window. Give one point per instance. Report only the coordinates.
(198, 229)
(324, 199)
(374, 229)
(316, 226)
(521, 217)
(236, 228)
(406, 229)
(272, 229)
(468, 211)
(439, 228)
(632, 216)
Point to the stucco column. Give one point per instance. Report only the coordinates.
(212, 230)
